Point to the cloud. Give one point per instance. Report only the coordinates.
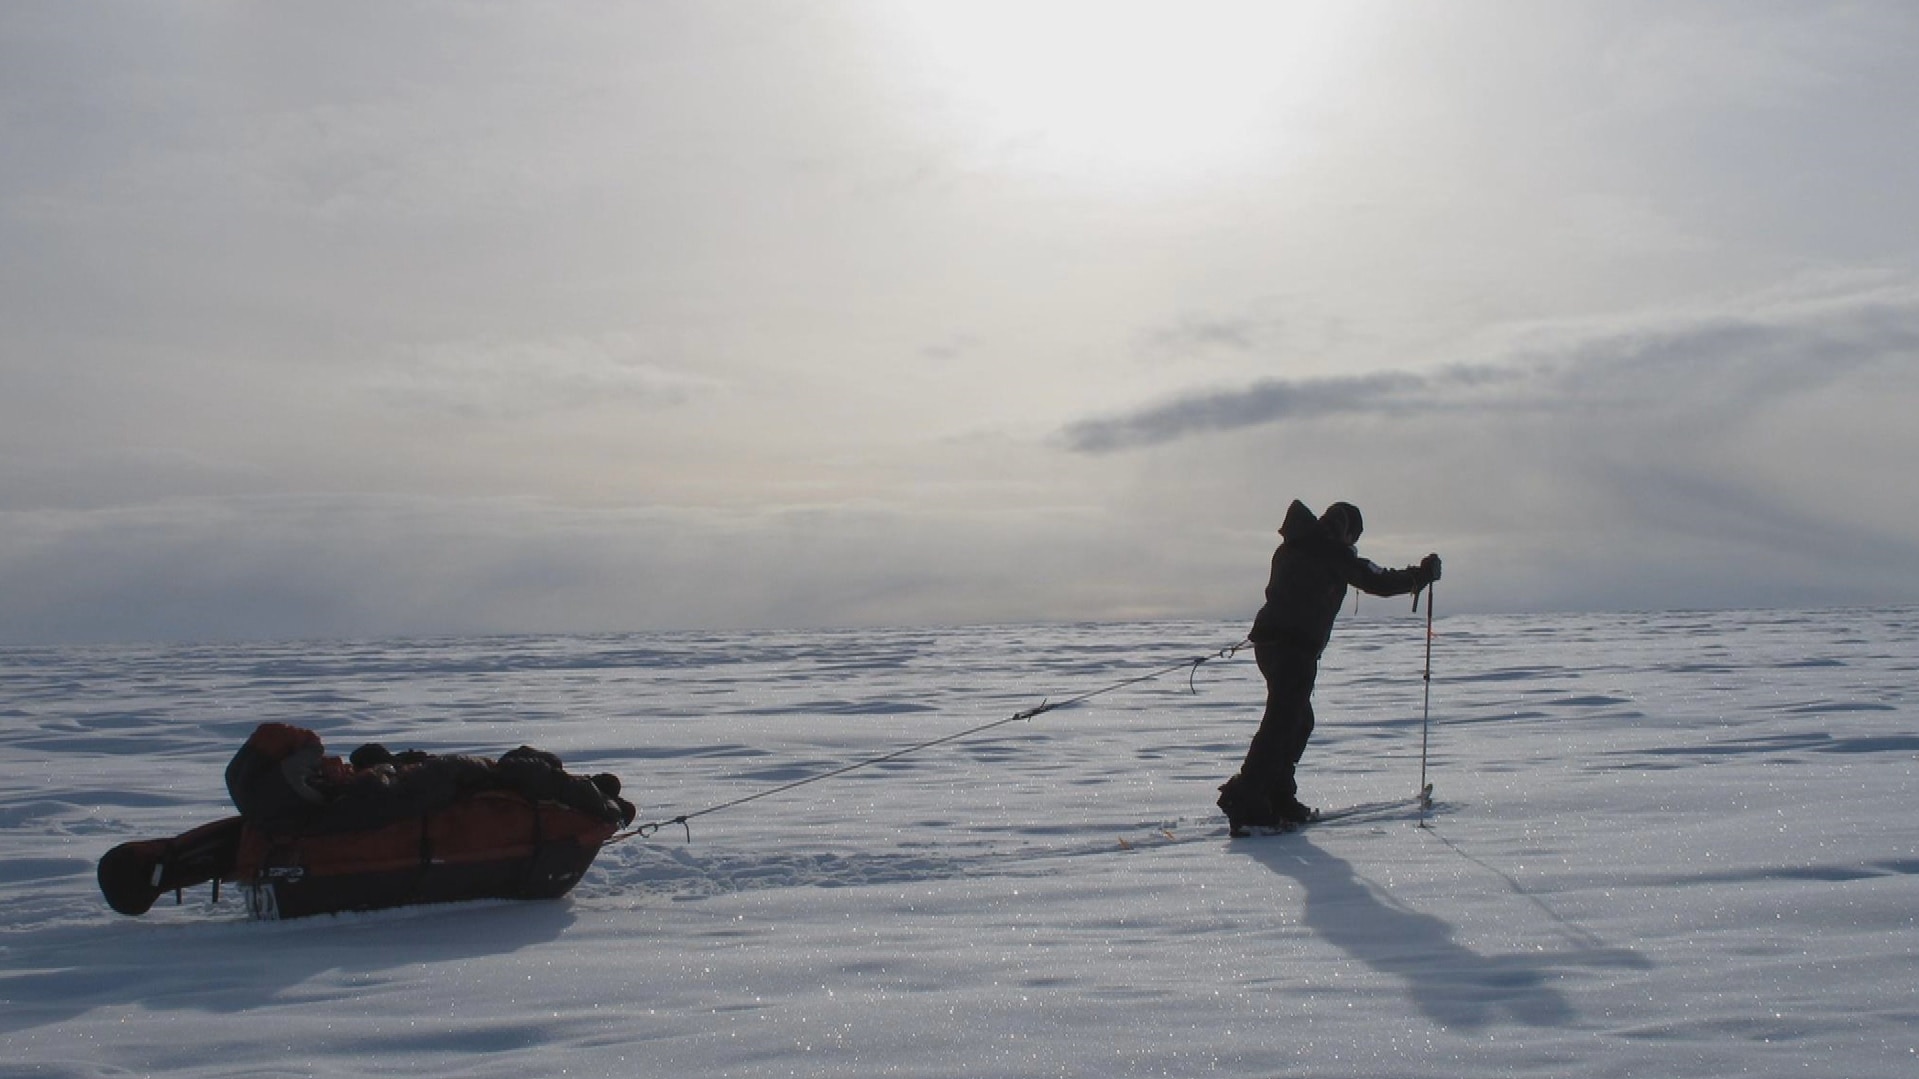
(509, 321)
(493, 379)
(1748, 454)
(266, 567)
(1200, 332)
(1731, 361)
(1273, 401)
(1708, 365)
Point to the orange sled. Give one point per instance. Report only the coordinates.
(494, 845)
(530, 833)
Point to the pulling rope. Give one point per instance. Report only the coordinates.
(684, 820)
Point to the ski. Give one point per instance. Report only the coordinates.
(1369, 809)
(1360, 811)
(1250, 831)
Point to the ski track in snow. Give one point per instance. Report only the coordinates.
(1676, 844)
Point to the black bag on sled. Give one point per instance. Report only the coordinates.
(318, 835)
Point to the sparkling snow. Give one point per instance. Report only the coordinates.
(1666, 845)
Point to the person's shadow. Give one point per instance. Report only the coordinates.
(1450, 983)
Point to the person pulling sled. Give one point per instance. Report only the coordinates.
(1315, 562)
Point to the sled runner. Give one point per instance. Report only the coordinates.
(319, 835)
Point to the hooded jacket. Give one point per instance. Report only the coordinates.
(1311, 570)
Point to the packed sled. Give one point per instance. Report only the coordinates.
(318, 834)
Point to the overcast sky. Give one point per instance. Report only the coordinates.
(384, 318)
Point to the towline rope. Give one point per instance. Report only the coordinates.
(684, 820)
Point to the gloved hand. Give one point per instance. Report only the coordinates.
(1429, 568)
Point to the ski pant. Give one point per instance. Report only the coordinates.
(1289, 670)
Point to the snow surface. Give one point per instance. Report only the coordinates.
(1665, 845)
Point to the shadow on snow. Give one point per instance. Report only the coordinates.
(1451, 983)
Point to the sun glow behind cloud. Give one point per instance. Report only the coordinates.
(1125, 94)
(515, 316)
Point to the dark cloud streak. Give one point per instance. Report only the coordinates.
(1269, 401)
(1273, 401)
(1714, 366)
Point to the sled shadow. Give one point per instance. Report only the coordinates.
(1449, 982)
(236, 966)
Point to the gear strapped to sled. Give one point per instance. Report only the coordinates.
(318, 835)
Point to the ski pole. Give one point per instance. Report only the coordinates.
(1426, 709)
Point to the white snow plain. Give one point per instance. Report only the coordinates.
(1672, 845)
